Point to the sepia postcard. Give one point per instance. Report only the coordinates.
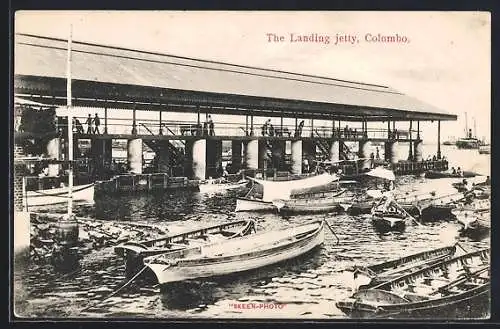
(298, 165)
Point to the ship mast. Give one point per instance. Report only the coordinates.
(466, 126)
(70, 125)
(475, 133)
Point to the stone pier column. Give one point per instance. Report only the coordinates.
(199, 159)
(278, 152)
(417, 153)
(364, 152)
(236, 155)
(297, 157)
(54, 152)
(134, 155)
(335, 151)
(163, 157)
(252, 154)
(391, 152)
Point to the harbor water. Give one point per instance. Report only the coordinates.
(305, 287)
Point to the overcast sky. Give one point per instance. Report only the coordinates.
(446, 62)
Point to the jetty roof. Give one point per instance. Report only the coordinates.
(112, 77)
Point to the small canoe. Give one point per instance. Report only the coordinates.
(58, 195)
(134, 252)
(456, 288)
(473, 223)
(221, 187)
(252, 204)
(236, 255)
(372, 275)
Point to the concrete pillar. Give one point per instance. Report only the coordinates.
(278, 154)
(417, 144)
(213, 158)
(297, 157)
(163, 157)
(252, 154)
(54, 152)
(391, 152)
(134, 155)
(364, 152)
(335, 151)
(236, 155)
(199, 159)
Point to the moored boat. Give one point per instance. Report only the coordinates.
(215, 186)
(456, 288)
(253, 204)
(367, 276)
(312, 203)
(58, 196)
(236, 255)
(485, 149)
(134, 252)
(433, 174)
(387, 216)
(268, 191)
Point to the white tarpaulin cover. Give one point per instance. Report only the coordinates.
(381, 172)
(274, 190)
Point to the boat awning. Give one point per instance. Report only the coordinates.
(275, 190)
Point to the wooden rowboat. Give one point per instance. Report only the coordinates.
(135, 252)
(457, 288)
(372, 275)
(236, 255)
(58, 195)
(252, 204)
(387, 216)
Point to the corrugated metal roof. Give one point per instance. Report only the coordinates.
(46, 57)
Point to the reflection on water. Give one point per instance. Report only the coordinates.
(307, 286)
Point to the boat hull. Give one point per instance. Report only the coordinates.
(245, 204)
(473, 304)
(385, 224)
(236, 263)
(58, 196)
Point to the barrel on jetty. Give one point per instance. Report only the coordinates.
(65, 256)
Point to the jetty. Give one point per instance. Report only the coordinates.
(330, 118)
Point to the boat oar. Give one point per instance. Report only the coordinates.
(407, 214)
(331, 229)
(116, 291)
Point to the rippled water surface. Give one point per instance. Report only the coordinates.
(307, 286)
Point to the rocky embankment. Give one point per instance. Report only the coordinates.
(93, 235)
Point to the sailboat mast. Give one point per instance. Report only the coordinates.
(70, 125)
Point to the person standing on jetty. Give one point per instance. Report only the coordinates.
(89, 124)
(211, 131)
(97, 123)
